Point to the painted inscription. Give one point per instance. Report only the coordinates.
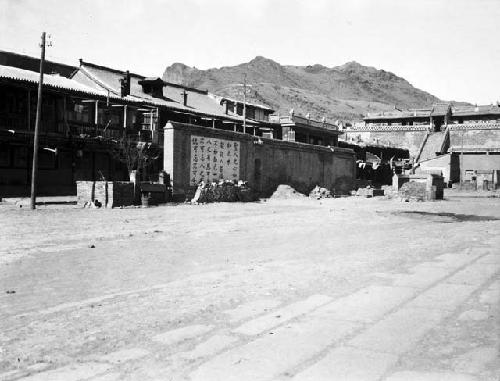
(214, 159)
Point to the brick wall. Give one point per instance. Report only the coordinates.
(264, 163)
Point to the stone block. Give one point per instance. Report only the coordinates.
(84, 192)
(100, 192)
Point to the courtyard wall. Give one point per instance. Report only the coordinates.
(263, 163)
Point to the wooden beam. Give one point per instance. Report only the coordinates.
(65, 114)
(157, 119)
(124, 116)
(29, 110)
(96, 113)
(151, 120)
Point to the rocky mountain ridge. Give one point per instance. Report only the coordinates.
(341, 92)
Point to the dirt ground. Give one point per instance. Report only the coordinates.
(333, 289)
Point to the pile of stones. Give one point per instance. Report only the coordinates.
(223, 191)
(319, 193)
(286, 192)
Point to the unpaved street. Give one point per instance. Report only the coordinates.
(338, 289)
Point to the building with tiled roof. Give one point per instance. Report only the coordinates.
(196, 106)
(433, 118)
(460, 141)
(86, 110)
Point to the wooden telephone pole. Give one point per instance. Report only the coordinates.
(34, 172)
(245, 103)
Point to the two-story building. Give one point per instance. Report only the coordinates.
(460, 141)
(86, 110)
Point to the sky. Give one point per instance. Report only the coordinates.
(449, 48)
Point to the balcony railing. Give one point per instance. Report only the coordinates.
(392, 127)
(91, 130)
(84, 130)
(476, 126)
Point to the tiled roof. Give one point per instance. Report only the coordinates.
(50, 80)
(477, 110)
(195, 100)
(440, 109)
(221, 98)
(198, 102)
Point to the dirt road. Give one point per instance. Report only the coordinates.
(340, 289)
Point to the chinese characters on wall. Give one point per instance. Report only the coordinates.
(214, 159)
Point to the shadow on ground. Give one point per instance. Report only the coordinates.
(446, 217)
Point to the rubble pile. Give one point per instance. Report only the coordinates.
(319, 193)
(284, 192)
(223, 191)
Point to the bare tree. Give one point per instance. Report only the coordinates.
(135, 155)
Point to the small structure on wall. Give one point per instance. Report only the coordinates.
(303, 129)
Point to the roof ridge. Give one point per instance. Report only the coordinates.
(97, 81)
(116, 71)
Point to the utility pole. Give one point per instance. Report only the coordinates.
(245, 103)
(461, 162)
(34, 172)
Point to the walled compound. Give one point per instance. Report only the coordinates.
(462, 143)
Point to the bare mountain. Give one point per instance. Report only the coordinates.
(341, 92)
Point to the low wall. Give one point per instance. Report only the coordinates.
(419, 187)
(109, 193)
(411, 140)
(193, 154)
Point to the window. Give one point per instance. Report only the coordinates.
(78, 112)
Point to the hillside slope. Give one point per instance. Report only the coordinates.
(342, 92)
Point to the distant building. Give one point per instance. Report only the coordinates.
(254, 111)
(302, 129)
(433, 118)
(461, 142)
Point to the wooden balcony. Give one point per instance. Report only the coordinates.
(16, 123)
